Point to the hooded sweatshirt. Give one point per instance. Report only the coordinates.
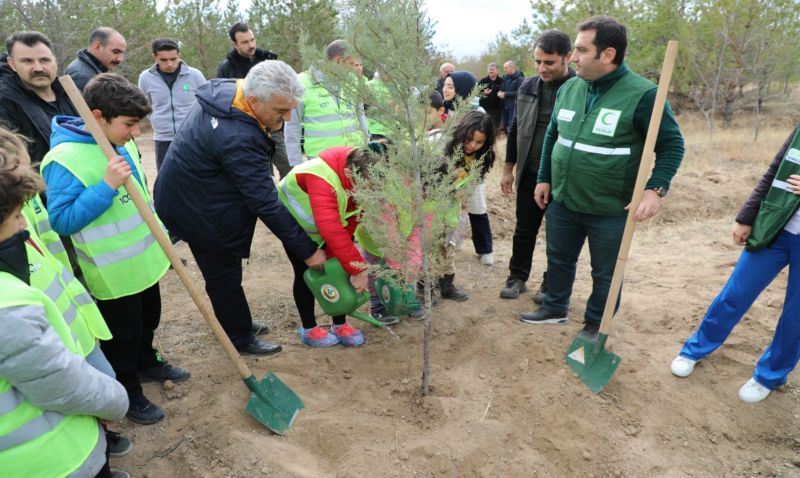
(71, 205)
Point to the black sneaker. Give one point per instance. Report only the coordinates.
(118, 445)
(163, 372)
(513, 288)
(143, 411)
(544, 316)
(590, 330)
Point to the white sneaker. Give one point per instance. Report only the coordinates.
(487, 259)
(682, 366)
(753, 392)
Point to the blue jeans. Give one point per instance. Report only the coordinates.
(753, 273)
(566, 232)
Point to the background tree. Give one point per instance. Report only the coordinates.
(279, 26)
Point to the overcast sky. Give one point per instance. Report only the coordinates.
(466, 27)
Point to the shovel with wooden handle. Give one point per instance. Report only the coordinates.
(588, 358)
(272, 402)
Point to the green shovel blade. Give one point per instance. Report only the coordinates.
(272, 403)
(591, 362)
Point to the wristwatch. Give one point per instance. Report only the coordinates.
(661, 191)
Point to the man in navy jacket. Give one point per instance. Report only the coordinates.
(216, 181)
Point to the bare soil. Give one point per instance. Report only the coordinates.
(503, 404)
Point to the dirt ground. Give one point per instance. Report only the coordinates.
(503, 404)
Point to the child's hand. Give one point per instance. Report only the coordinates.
(360, 281)
(117, 171)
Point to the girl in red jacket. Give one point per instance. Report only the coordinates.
(322, 181)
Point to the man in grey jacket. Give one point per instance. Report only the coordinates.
(106, 51)
(170, 84)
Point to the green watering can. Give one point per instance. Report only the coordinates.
(334, 292)
(396, 301)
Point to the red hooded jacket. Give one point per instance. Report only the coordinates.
(338, 240)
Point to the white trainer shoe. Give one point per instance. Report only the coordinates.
(753, 392)
(487, 259)
(682, 366)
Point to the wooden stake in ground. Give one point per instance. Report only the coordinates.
(272, 403)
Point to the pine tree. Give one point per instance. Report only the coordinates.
(414, 187)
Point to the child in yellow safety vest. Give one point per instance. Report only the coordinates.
(119, 257)
(51, 397)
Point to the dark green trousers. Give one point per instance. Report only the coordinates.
(566, 233)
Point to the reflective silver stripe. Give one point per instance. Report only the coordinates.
(105, 231)
(331, 133)
(54, 290)
(83, 299)
(43, 226)
(588, 148)
(10, 400)
(298, 209)
(67, 275)
(328, 118)
(56, 247)
(777, 183)
(102, 260)
(70, 313)
(31, 430)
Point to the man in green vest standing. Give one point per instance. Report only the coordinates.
(323, 118)
(589, 164)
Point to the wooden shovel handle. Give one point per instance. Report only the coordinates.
(645, 167)
(199, 299)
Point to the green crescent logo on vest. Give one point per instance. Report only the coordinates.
(606, 123)
(186, 87)
(386, 293)
(330, 293)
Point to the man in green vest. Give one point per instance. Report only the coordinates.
(324, 119)
(50, 397)
(588, 168)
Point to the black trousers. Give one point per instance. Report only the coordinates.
(132, 320)
(223, 276)
(303, 298)
(529, 220)
(481, 233)
(161, 152)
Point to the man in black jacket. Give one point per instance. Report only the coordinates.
(508, 92)
(534, 105)
(216, 182)
(106, 51)
(29, 94)
(490, 86)
(243, 56)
